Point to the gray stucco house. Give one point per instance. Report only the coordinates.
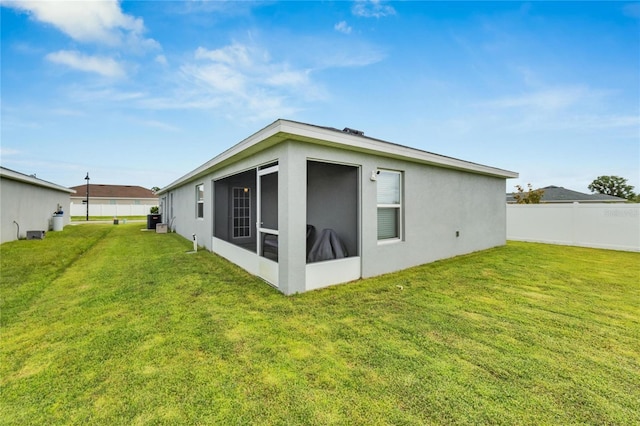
(28, 204)
(305, 206)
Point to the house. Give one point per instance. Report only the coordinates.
(28, 204)
(305, 206)
(112, 200)
(558, 194)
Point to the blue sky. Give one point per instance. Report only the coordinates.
(143, 92)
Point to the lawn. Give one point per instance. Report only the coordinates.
(107, 324)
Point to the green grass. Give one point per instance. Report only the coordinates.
(110, 325)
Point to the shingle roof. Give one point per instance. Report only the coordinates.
(113, 191)
(558, 194)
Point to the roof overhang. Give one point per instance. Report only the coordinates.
(20, 177)
(284, 130)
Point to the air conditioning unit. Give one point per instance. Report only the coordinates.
(35, 235)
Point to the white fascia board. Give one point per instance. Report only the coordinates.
(281, 130)
(20, 177)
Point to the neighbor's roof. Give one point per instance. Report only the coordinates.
(558, 194)
(282, 130)
(113, 191)
(21, 177)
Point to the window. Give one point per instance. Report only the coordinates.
(241, 213)
(200, 201)
(389, 191)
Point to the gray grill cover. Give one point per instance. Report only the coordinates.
(328, 246)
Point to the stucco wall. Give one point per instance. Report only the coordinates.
(446, 213)
(31, 206)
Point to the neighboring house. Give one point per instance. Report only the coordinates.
(375, 206)
(558, 194)
(28, 204)
(110, 200)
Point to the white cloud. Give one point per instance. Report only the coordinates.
(88, 21)
(342, 27)
(546, 100)
(372, 9)
(104, 66)
(85, 95)
(218, 77)
(242, 77)
(158, 125)
(289, 78)
(233, 55)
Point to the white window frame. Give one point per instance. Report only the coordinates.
(200, 201)
(398, 206)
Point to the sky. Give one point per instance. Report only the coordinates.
(143, 92)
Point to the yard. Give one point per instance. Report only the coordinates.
(105, 324)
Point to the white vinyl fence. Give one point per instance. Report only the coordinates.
(609, 226)
(113, 210)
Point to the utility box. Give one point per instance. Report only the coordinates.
(35, 235)
(153, 220)
(161, 228)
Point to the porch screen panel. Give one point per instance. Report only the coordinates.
(389, 197)
(269, 201)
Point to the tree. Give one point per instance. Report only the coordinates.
(155, 189)
(533, 196)
(612, 185)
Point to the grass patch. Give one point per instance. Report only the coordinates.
(108, 324)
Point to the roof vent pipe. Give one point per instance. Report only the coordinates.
(353, 131)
